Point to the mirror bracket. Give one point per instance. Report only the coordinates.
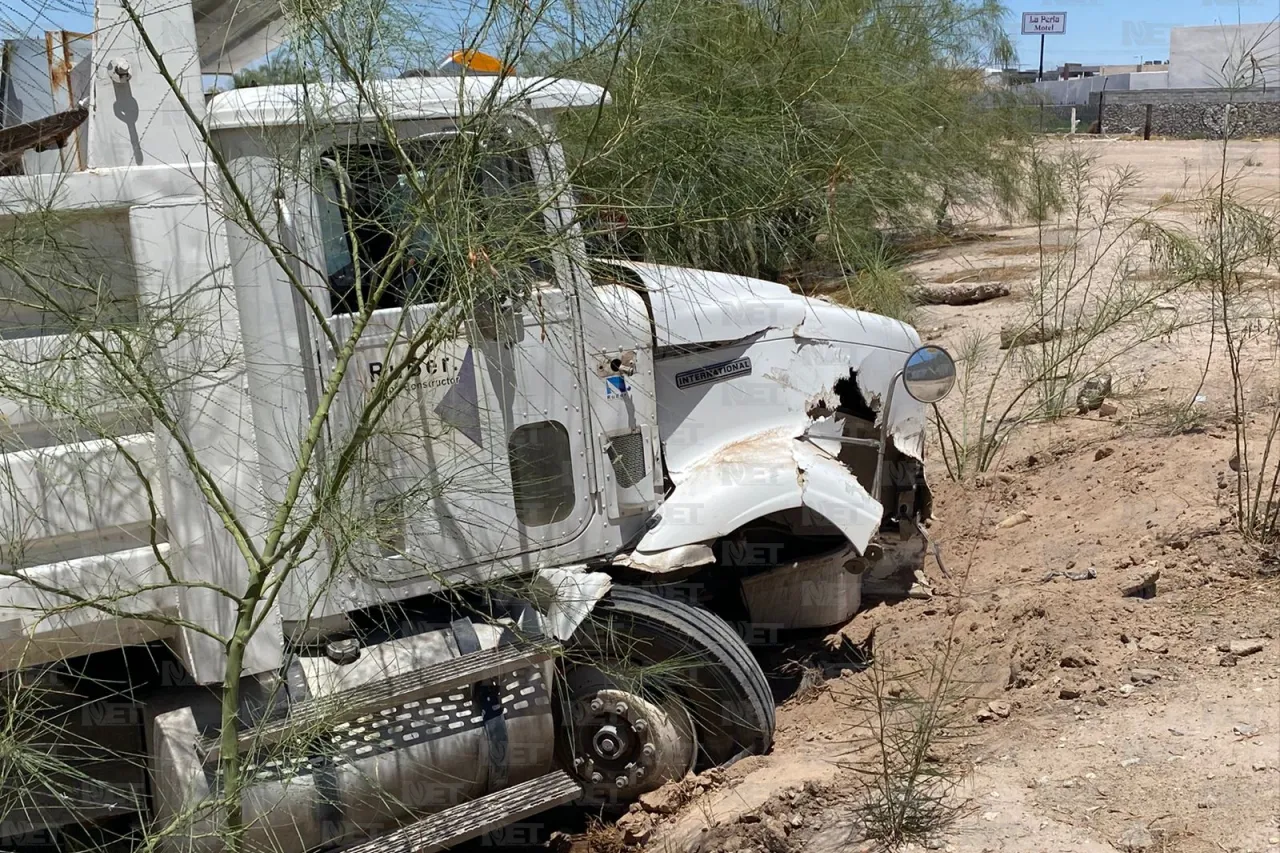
(887, 411)
(884, 437)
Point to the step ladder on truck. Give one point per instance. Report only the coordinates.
(561, 466)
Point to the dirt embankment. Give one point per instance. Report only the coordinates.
(1097, 719)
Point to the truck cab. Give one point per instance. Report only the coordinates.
(331, 454)
(627, 417)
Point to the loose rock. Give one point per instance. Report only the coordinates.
(1076, 658)
(1107, 410)
(636, 827)
(1154, 643)
(1000, 708)
(1093, 392)
(1019, 517)
(710, 778)
(1143, 676)
(1075, 691)
(773, 833)
(1242, 648)
(1103, 453)
(1244, 730)
(1136, 838)
(665, 800)
(1139, 582)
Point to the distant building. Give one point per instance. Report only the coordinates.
(1238, 55)
(1134, 67)
(1073, 71)
(1020, 76)
(1241, 56)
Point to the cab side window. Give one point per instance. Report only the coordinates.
(458, 222)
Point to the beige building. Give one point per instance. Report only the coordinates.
(1149, 65)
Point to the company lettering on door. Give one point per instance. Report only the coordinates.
(431, 373)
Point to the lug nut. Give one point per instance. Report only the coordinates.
(621, 782)
(577, 763)
(596, 778)
(648, 750)
(639, 772)
(620, 709)
(640, 726)
(597, 705)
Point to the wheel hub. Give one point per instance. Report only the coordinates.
(610, 742)
(625, 744)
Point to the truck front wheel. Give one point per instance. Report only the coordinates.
(660, 651)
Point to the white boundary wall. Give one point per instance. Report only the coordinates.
(1250, 54)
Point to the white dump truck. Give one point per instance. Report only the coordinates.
(183, 324)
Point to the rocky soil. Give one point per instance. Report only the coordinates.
(1099, 720)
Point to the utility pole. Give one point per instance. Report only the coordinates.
(1040, 73)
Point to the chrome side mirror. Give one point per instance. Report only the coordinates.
(929, 374)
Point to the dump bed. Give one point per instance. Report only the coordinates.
(120, 359)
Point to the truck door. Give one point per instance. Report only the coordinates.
(479, 456)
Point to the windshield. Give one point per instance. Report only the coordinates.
(443, 218)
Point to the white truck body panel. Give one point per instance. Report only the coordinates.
(395, 100)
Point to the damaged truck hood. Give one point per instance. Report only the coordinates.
(696, 306)
(746, 376)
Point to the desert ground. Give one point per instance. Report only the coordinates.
(1086, 717)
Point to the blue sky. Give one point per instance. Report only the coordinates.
(1098, 31)
(1119, 31)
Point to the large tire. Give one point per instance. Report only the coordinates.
(667, 646)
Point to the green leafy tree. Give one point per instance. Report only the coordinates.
(277, 70)
(754, 137)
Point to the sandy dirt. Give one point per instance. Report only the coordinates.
(1092, 720)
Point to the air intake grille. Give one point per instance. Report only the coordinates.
(626, 451)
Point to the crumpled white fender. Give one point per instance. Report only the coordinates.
(773, 471)
(565, 596)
